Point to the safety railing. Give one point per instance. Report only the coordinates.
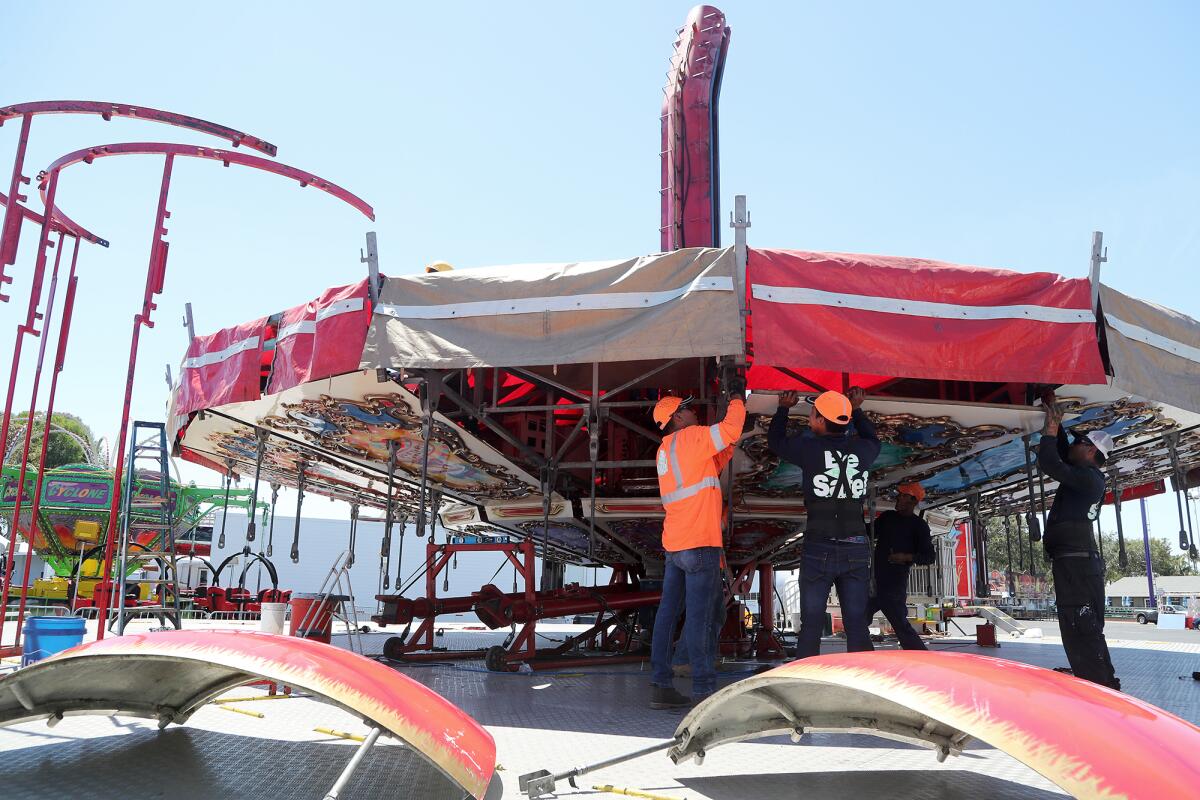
(37, 611)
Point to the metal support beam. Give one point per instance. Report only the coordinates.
(335, 792)
(1099, 256)
(1146, 544)
(739, 220)
(371, 259)
(1122, 556)
(534, 457)
(189, 323)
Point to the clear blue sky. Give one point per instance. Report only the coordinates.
(506, 133)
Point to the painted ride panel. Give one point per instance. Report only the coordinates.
(1088, 739)
(168, 675)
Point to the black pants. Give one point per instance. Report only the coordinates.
(1079, 593)
(891, 597)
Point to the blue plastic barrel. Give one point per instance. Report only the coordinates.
(45, 636)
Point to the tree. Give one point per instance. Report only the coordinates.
(1162, 560)
(71, 440)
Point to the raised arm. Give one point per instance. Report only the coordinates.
(869, 445)
(782, 445)
(1050, 458)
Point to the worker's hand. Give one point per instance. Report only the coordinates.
(788, 399)
(856, 395)
(1053, 415)
(900, 558)
(736, 386)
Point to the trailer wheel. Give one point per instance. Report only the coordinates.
(494, 660)
(393, 648)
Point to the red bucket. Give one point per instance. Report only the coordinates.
(314, 615)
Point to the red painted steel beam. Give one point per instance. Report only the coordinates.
(10, 230)
(64, 329)
(109, 110)
(156, 269)
(505, 610)
(226, 157)
(15, 528)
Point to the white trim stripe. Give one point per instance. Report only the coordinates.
(715, 432)
(310, 325)
(340, 307)
(303, 326)
(795, 295)
(1139, 334)
(675, 470)
(208, 359)
(601, 301)
(689, 491)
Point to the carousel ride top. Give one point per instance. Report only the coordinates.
(516, 399)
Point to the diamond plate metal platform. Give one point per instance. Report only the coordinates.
(541, 720)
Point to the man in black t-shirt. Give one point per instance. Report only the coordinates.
(834, 456)
(1076, 564)
(901, 540)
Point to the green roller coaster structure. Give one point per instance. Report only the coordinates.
(73, 514)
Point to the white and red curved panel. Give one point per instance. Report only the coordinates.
(1091, 741)
(175, 672)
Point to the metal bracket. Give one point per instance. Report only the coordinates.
(371, 259)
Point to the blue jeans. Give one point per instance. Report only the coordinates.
(826, 563)
(690, 579)
(682, 655)
(891, 597)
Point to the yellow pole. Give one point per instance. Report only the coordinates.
(340, 734)
(242, 711)
(610, 789)
(251, 699)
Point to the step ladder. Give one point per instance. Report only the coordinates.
(148, 444)
(335, 591)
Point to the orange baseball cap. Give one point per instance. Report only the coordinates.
(912, 490)
(666, 408)
(834, 406)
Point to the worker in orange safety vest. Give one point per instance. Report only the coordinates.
(689, 461)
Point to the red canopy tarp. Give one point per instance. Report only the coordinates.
(321, 338)
(222, 367)
(915, 318)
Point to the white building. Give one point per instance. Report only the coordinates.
(1177, 590)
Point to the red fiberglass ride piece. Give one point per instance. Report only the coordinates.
(168, 675)
(1087, 739)
(691, 190)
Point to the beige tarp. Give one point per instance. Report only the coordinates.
(670, 305)
(1155, 352)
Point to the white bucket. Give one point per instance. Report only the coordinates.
(271, 618)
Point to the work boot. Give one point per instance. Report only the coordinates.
(667, 697)
(682, 670)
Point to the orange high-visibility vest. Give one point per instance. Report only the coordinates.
(689, 466)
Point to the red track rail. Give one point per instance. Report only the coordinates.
(226, 157)
(109, 110)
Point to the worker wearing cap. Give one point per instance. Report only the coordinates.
(837, 551)
(689, 461)
(901, 540)
(1077, 567)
